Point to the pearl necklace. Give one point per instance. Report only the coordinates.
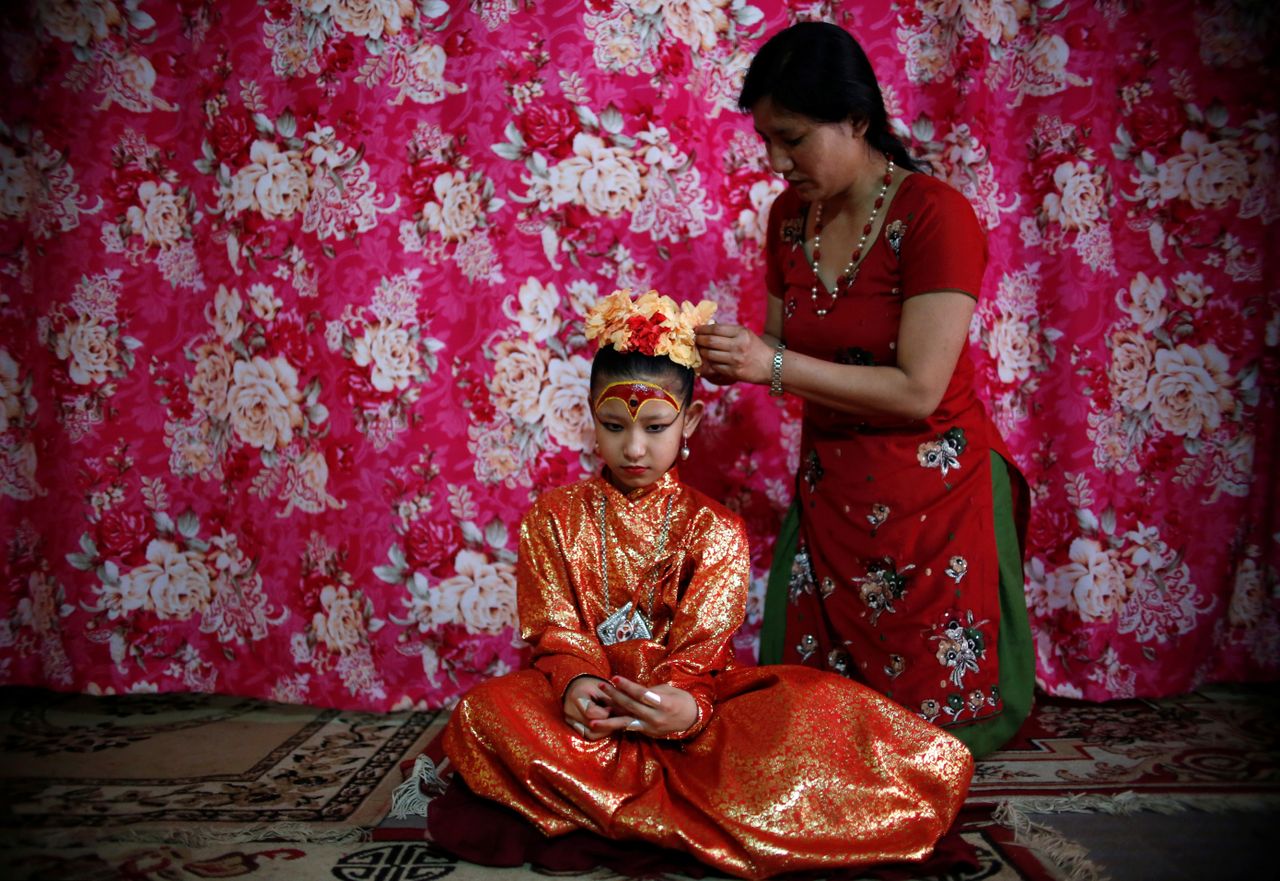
(846, 279)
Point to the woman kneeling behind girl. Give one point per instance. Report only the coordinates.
(634, 722)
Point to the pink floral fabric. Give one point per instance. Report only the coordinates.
(291, 300)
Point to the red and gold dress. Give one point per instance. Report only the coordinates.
(898, 579)
(786, 768)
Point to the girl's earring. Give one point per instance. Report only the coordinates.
(684, 450)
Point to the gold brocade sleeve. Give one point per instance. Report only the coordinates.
(564, 645)
(712, 606)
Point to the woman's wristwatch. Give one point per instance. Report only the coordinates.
(775, 381)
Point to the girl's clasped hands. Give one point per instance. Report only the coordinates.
(598, 708)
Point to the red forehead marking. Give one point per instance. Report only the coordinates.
(635, 394)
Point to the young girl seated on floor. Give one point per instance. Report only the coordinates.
(635, 723)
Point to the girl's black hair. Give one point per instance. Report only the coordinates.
(818, 70)
(610, 365)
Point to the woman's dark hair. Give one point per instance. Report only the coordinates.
(613, 366)
(818, 70)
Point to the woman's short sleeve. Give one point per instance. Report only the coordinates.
(943, 247)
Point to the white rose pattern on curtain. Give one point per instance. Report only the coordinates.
(292, 296)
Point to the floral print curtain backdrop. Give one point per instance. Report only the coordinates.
(292, 297)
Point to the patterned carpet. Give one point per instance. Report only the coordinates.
(197, 767)
(1215, 749)
(181, 787)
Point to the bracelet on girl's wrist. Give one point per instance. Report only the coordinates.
(775, 379)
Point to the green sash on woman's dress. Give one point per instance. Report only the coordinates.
(773, 632)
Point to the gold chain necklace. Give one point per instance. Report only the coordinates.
(627, 622)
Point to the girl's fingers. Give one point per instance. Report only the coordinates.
(625, 704)
(615, 724)
(591, 709)
(638, 692)
(589, 731)
(633, 690)
(621, 683)
(637, 700)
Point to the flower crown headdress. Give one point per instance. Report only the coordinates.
(653, 325)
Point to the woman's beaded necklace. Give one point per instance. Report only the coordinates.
(846, 279)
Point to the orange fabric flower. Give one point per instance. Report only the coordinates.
(653, 324)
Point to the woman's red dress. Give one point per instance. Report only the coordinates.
(896, 580)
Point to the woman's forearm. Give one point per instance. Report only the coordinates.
(931, 337)
(883, 392)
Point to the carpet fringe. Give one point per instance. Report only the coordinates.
(1067, 856)
(410, 798)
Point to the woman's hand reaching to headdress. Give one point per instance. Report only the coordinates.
(732, 353)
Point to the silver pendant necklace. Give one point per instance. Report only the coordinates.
(627, 622)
